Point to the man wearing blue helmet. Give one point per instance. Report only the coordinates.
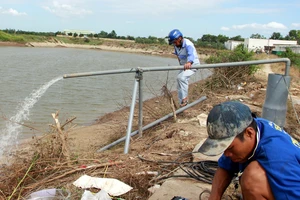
(188, 57)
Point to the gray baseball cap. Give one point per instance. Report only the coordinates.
(224, 122)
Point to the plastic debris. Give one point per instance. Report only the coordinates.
(147, 173)
(113, 186)
(240, 86)
(102, 195)
(48, 194)
(154, 188)
(202, 119)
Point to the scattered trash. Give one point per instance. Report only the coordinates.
(113, 186)
(183, 133)
(202, 119)
(147, 173)
(102, 195)
(49, 194)
(240, 86)
(153, 188)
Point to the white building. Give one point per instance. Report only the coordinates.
(282, 48)
(83, 32)
(266, 44)
(231, 44)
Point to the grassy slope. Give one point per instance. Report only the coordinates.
(11, 38)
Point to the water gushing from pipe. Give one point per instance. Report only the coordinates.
(9, 135)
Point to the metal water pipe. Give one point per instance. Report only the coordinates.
(153, 123)
(129, 126)
(202, 66)
(138, 79)
(268, 110)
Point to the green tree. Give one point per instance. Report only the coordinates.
(257, 36)
(191, 39)
(112, 34)
(276, 36)
(10, 31)
(58, 33)
(222, 38)
(209, 38)
(103, 34)
(293, 34)
(129, 37)
(237, 38)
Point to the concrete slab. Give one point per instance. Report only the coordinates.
(185, 187)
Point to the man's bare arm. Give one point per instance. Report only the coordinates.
(222, 179)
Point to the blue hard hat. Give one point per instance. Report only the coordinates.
(173, 35)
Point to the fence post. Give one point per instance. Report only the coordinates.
(139, 77)
(130, 118)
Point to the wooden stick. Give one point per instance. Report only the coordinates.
(67, 122)
(62, 135)
(33, 162)
(74, 171)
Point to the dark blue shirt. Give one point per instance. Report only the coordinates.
(279, 154)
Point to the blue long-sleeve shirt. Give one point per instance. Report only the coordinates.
(187, 52)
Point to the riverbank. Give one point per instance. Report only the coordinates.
(12, 44)
(110, 45)
(156, 151)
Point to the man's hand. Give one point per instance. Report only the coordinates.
(187, 66)
(222, 179)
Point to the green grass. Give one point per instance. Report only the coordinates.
(34, 38)
(77, 40)
(24, 38)
(11, 38)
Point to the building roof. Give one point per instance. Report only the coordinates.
(79, 31)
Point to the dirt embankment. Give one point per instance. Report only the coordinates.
(12, 44)
(160, 146)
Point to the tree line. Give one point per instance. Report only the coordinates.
(207, 40)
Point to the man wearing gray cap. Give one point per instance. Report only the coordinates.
(267, 156)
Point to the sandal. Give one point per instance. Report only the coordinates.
(184, 102)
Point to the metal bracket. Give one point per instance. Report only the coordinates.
(139, 73)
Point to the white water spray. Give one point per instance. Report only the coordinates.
(9, 135)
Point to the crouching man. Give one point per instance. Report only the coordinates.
(267, 156)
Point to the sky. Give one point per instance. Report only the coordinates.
(143, 18)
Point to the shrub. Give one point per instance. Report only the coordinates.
(228, 76)
(294, 57)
